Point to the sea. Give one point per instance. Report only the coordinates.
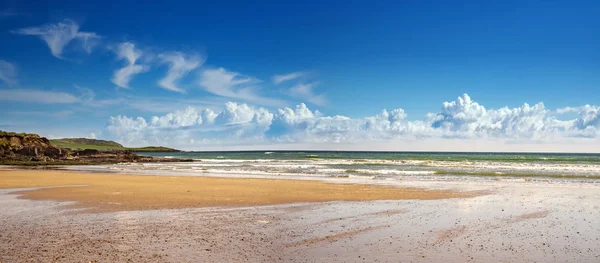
(377, 167)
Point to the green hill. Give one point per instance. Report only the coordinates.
(84, 143)
(153, 149)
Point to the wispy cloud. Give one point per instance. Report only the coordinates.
(568, 110)
(59, 35)
(127, 51)
(57, 114)
(39, 96)
(6, 13)
(278, 79)
(234, 85)
(161, 105)
(88, 98)
(180, 64)
(305, 91)
(8, 72)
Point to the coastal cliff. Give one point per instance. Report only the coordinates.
(32, 149)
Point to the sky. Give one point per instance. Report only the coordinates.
(305, 75)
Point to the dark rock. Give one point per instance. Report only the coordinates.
(33, 151)
(54, 152)
(86, 152)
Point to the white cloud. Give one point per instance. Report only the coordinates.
(278, 79)
(59, 35)
(128, 52)
(588, 116)
(180, 65)
(39, 96)
(567, 110)
(128, 129)
(177, 119)
(8, 72)
(462, 119)
(300, 114)
(305, 91)
(235, 120)
(466, 118)
(233, 85)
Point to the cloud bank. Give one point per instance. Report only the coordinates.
(243, 124)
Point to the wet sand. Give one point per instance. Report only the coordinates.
(121, 192)
(514, 223)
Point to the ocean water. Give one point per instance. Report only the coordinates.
(377, 167)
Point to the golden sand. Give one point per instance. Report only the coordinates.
(120, 192)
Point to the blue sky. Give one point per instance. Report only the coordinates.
(311, 74)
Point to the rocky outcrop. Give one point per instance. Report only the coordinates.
(118, 156)
(31, 149)
(28, 147)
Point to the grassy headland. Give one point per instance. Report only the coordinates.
(84, 143)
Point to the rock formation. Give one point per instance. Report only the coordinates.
(31, 149)
(28, 147)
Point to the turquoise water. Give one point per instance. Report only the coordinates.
(433, 166)
(434, 156)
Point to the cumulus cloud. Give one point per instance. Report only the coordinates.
(235, 120)
(466, 118)
(129, 130)
(588, 117)
(233, 85)
(305, 91)
(39, 96)
(59, 35)
(278, 79)
(180, 64)
(177, 119)
(127, 51)
(298, 115)
(8, 72)
(462, 118)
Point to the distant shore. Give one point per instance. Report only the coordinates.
(25, 149)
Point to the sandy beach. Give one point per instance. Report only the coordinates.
(66, 216)
(122, 192)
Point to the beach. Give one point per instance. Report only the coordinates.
(83, 216)
(122, 192)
